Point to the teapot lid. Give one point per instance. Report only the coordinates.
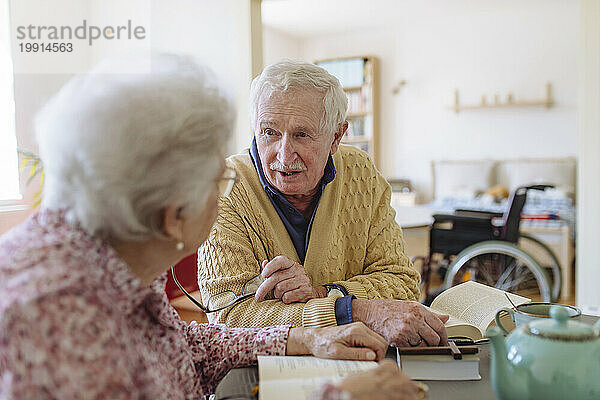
(559, 327)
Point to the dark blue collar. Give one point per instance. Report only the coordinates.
(296, 225)
(328, 173)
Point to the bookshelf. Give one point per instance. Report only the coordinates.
(358, 76)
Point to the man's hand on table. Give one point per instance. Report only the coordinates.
(347, 342)
(288, 281)
(402, 323)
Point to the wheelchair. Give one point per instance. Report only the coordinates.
(484, 247)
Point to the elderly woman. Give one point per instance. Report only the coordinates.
(133, 164)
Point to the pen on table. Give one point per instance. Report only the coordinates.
(453, 350)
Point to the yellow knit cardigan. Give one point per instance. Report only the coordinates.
(354, 242)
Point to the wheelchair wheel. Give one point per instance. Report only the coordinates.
(546, 259)
(501, 265)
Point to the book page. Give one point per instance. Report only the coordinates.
(298, 377)
(456, 327)
(284, 367)
(293, 389)
(474, 303)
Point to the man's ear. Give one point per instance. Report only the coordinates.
(338, 137)
(173, 222)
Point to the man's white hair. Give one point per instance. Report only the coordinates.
(294, 74)
(118, 148)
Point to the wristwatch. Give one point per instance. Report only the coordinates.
(335, 289)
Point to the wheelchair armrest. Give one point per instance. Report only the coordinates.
(437, 218)
(477, 213)
(541, 187)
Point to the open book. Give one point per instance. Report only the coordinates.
(472, 308)
(298, 377)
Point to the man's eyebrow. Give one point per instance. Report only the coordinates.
(303, 128)
(269, 122)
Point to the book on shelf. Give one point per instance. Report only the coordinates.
(542, 216)
(356, 128)
(472, 307)
(358, 101)
(441, 367)
(298, 377)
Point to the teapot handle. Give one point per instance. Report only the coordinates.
(510, 311)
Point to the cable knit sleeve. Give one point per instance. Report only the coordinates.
(229, 258)
(387, 270)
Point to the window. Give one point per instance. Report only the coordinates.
(9, 174)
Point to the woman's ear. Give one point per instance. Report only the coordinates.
(173, 222)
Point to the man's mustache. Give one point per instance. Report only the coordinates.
(295, 166)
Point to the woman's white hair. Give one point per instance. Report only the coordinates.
(295, 74)
(118, 148)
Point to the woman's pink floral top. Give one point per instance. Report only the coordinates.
(76, 323)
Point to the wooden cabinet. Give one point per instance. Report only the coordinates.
(358, 76)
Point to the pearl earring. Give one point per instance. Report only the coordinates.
(179, 246)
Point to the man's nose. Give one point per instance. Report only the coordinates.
(287, 152)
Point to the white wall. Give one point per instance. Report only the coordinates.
(480, 49)
(588, 217)
(278, 45)
(217, 32)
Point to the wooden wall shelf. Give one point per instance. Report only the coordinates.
(510, 102)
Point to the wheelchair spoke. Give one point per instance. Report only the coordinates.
(486, 274)
(515, 283)
(501, 281)
(522, 279)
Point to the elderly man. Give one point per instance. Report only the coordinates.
(307, 235)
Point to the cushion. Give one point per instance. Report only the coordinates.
(459, 178)
(560, 172)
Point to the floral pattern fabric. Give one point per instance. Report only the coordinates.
(75, 323)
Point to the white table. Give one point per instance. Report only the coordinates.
(415, 221)
(238, 383)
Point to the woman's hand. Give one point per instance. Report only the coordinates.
(386, 382)
(346, 342)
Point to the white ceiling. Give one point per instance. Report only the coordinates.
(306, 18)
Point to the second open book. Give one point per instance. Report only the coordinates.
(472, 308)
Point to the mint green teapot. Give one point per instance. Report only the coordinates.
(546, 360)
